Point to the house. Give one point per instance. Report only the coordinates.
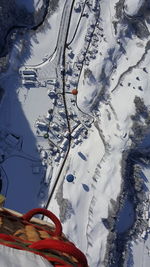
(66, 134)
(87, 38)
(31, 77)
(62, 155)
(95, 5)
(57, 157)
(80, 58)
(49, 116)
(94, 50)
(77, 131)
(73, 81)
(67, 83)
(89, 32)
(29, 83)
(78, 65)
(95, 38)
(41, 125)
(64, 144)
(62, 113)
(53, 82)
(143, 235)
(69, 69)
(59, 103)
(86, 62)
(26, 72)
(93, 56)
(94, 44)
(43, 154)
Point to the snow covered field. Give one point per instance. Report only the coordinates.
(75, 123)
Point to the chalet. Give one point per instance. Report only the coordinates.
(31, 77)
(73, 82)
(43, 154)
(87, 38)
(95, 38)
(26, 72)
(66, 134)
(41, 125)
(57, 157)
(64, 144)
(49, 116)
(77, 132)
(95, 5)
(55, 126)
(53, 82)
(31, 83)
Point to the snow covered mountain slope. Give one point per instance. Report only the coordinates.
(78, 126)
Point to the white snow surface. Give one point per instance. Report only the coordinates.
(132, 7)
